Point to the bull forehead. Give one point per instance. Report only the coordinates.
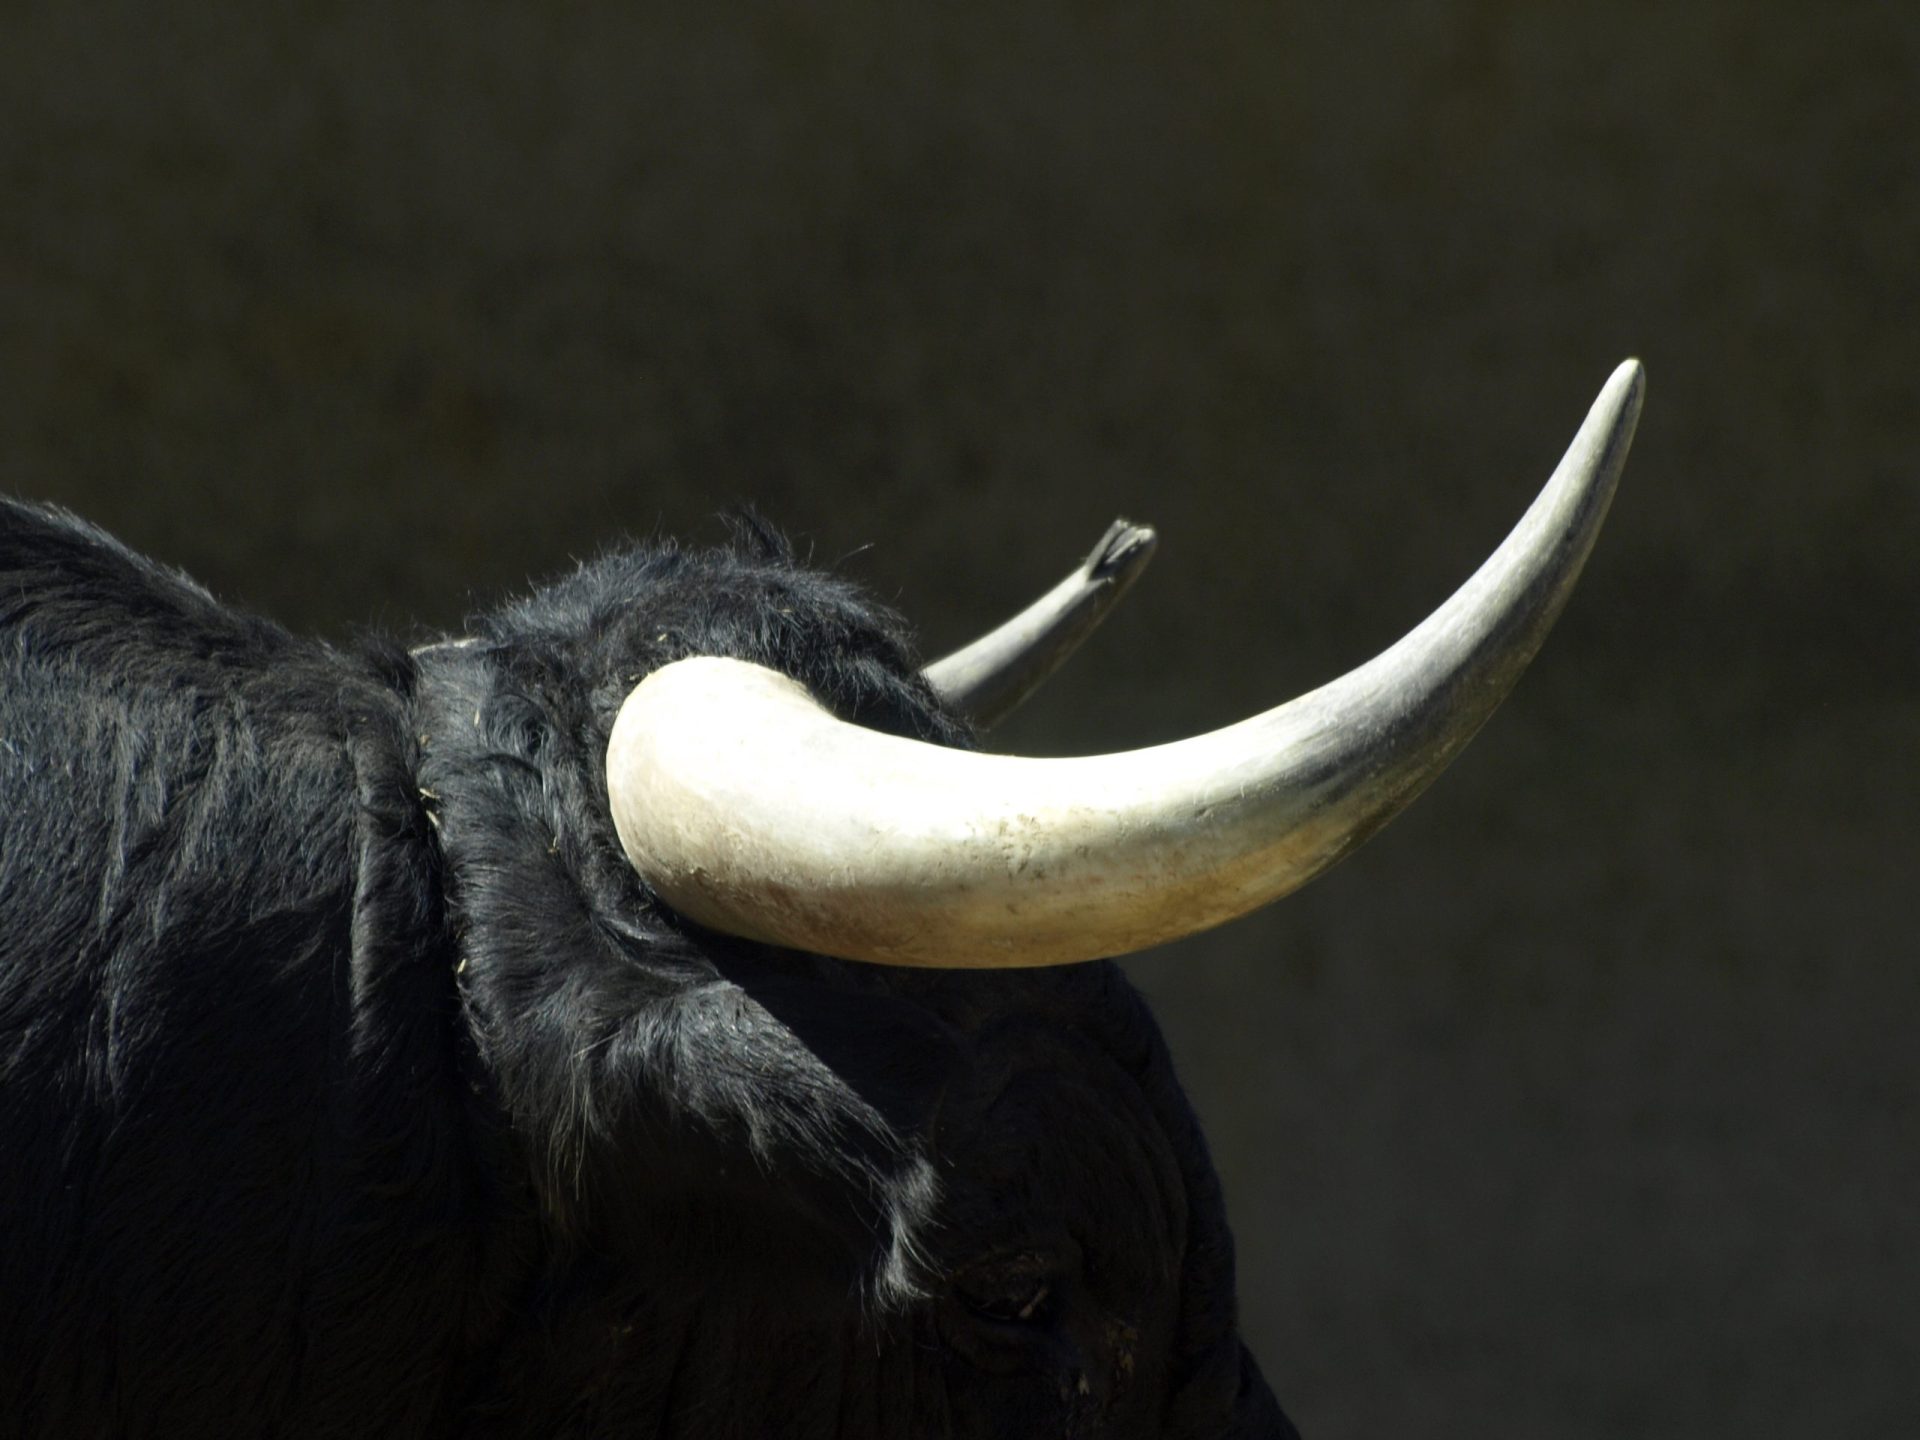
(1044, 1139)
(1065, 1196)
(1044, 1098)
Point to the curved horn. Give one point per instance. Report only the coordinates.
(991, 678)
(754, 811)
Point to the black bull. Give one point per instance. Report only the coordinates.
(352, 1083)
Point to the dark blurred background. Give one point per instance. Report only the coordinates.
(1583, 1101)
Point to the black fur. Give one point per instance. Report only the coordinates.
(351, 1083)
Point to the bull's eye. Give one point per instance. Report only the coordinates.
(1014, 1291)
(1012, 1308)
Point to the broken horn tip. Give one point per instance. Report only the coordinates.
(1124, 550)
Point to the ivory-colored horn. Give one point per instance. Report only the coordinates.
(754, 811)
(991, 678)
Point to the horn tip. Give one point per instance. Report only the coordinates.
(1627, 386)
(1123, 552)
(1603, 440)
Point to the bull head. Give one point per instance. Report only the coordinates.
(478, 1041)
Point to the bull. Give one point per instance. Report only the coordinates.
(647, 1014)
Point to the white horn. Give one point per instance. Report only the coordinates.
(752, 810)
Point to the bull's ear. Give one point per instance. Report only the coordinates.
(891, 1055)
(770, 1119)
